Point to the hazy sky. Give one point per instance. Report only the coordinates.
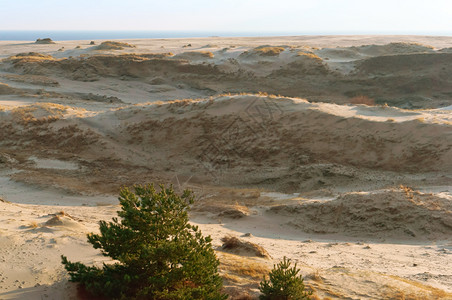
(328, 16)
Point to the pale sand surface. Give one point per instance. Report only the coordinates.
(309, 175)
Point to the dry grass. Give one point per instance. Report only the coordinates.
(235, 244)
(33, 224)
(425, 291)
(41, 113)
(401, 295)
(309, 55)
(361, 99)
(32, 79)
(30, 57)
(315, 276)
(54, 221)
(111, 45)
(235, 267)
(45, 41)
(195, 55)
(206, 54)
(269, 50)
(7, 90)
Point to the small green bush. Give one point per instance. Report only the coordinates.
(159, 254)
(284, 283)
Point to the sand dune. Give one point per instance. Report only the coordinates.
(359, 195)
(328, 74)
(230, 135)
(385, 214)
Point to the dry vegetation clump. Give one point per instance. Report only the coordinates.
(195, 55)
(394, 49)
(361, 99)
(235, 212)
(401, 295)
(269, 50)
(422, 292)
(223, 210)
(54, 221)
(309, 55)
(111, 45)
(30, 57)
(44, 41)
(32, 79)
(33, 224)
(39, 113)
(407, 47)
(206, 54)
(236, 245)
(417, 290)
(315, 276)
(241, 275)
(6, 89)
(25, 117)
(239, 266)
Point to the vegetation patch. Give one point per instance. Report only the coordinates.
(111, 45)
(236, 245)
(269, 50)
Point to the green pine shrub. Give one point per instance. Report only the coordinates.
(284, 283)
(158, 254)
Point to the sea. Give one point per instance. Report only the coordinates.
(32, 35)
(29, 35)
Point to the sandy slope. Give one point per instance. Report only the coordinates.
(344, 67)
(359, 195)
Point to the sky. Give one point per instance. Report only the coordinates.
(291, 16)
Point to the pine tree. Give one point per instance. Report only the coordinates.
(159, 254)
(284, 283)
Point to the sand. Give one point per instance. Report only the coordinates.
(261, 129)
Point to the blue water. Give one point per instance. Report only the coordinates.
(22, 35)
(29, 35)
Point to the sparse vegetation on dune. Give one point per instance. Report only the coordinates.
(32, 79)
(238, 265)
(40, 113)
(30, 57)
(406, 289)
(7, 90)
(234, 244)
(309, 55)
(44, 41)
(113, 45)
(195, 55)
(269, 50)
